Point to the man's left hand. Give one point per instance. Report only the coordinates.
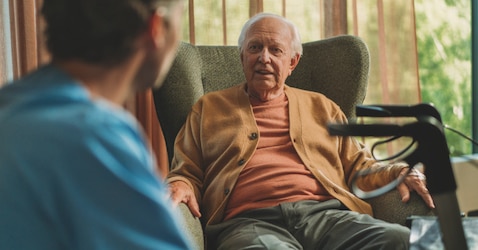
(414, 181)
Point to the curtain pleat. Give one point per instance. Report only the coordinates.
(255, 6)
(382, 53)
(146, 114)
(388, 29)
(335, 18)
(192, 28)
(23, 27)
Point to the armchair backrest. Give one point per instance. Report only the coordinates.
(338, 67)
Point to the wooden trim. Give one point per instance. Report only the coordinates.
(255, 6)
(355, 18)
(24, 36)
(335, 17)
(14, 30)
(415, 49)
(383, 61)
(224, 23)
(284, 8)
(192, 29)
(321, 18)
(4, 46)
(382, 52)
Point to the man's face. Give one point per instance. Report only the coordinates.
(267, 58)
(159, 60)
(172, 41)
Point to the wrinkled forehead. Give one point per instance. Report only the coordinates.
(270, 28)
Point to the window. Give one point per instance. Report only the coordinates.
(420, 49)
(444, 52)
(6, 67)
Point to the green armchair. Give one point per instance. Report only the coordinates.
(337, 67)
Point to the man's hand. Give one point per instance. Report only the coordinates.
(414, 181)
(181, 192)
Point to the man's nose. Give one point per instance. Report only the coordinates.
(264, 56)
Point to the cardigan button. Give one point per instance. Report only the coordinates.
(226, 191)
(241, 162)
(253, 136)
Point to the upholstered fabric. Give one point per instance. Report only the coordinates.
(337, 67)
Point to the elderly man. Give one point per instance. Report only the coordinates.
(76, 171)
(266, 173)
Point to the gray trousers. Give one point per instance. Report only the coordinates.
(306, 225)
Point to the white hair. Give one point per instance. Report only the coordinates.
(296, 43)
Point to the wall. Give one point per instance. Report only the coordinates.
(466, 175)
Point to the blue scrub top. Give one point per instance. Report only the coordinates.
(76, 173)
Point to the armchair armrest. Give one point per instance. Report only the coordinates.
(192, 226)
(390, 208)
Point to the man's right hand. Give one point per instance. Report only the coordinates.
(181, 192)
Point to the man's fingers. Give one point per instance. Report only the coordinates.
(181, 192)
(404, 192)
(194, 207)
(417, 183)
(176, 194)
(425, 194)
(428, 200)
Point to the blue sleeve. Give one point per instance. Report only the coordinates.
(76, 173)
(115, 198)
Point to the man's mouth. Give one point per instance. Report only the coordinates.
(263, 72)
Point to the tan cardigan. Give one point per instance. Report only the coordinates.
(220, 135)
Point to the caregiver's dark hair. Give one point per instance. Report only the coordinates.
(97, 31)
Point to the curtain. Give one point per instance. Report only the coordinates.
(387, 27)
(22, 47)
(145, 112)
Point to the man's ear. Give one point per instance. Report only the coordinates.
(157, 28)
(293, 62)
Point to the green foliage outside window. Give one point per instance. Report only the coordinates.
(444, 55)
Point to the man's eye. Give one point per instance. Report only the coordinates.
(254, 48)
(276, 51)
